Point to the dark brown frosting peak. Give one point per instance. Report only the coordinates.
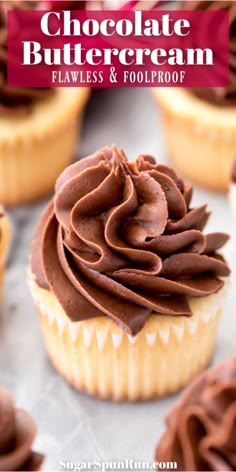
(219, 95)
(15, 101)
(120, 239)
(17, 432)
(201, 429)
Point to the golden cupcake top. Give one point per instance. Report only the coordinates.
(121, 239)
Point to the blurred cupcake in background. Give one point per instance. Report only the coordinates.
(128, 288)
(200, 124)
(201, 428)
(38, 129)
(17, 433)
(4, 245)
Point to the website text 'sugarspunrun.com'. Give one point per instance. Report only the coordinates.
(113, 466)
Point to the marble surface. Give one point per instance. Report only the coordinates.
(72, 426)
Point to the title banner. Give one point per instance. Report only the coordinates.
(118, 48)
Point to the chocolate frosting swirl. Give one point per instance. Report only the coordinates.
(17, 432)
(219, 95)
(15, 101)
(201, 429)
(119, 238)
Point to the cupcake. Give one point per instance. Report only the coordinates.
(4, 244)
(201, 429)
(200, 124)
(17, 433)
(38, 129)
(126, 284)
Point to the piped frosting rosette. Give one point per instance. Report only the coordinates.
(116, 227)
(119, 245)
(201, 429)
(17, 433)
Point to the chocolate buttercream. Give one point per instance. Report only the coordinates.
(201, 429)
(17, 432)
(120, 239)
(222, 96)
(15, 101)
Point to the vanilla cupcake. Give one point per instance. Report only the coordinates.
(201, 429)
(4, 244)
(200, 124)
(126, 284)
(38, 129)
(17, 433)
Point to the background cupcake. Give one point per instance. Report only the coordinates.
(201, 429)
(38, 129)
(17, 433)
(126, 284)
(4, 244)
(200, 124)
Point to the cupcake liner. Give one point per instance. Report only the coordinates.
(98, 357)
(4, 244)
(36, 148)
(200, 137)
